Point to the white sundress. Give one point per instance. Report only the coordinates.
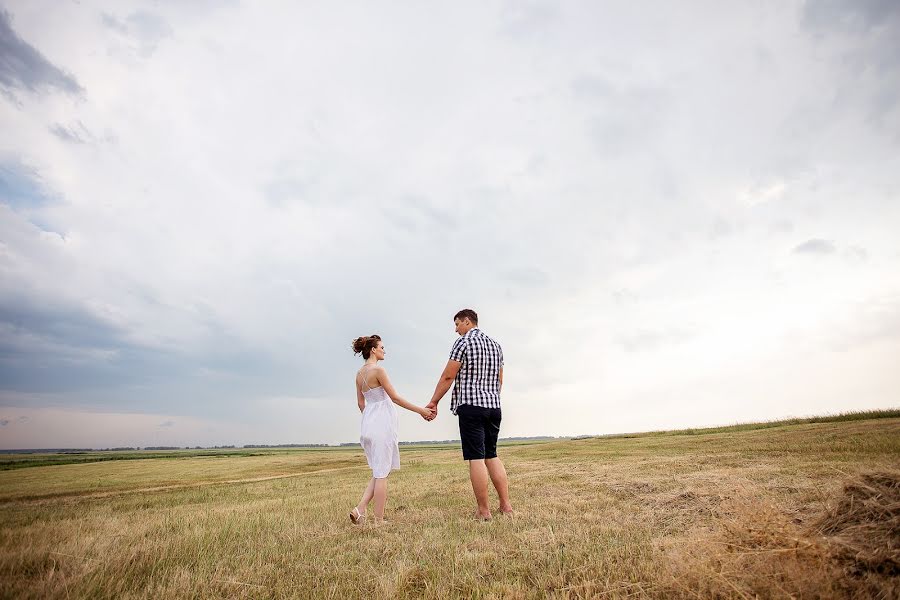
(378, 431)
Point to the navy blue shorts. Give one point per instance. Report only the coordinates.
(478, 430)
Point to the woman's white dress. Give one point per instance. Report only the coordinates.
(378, 432)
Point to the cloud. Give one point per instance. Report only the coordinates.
(77, 133)
(282, 183)
(870, 67)
(644, 340)
(4, 422)
(146, 29)
(22, 67)
(529, 277)
(528, 19)
(762, 194)
(167, 424)
(624, 118)
(850, 15)
(624, 297)
(872, 320)
(857, 253)
(21, 186)
(815, 246)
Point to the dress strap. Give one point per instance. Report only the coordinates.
(365, 377)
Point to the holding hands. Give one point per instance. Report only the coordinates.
(428, 412)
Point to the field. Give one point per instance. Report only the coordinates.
(804, 509)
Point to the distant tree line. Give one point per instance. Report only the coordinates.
(286, 445)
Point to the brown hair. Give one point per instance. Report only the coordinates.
(365, 344)
(467, 313)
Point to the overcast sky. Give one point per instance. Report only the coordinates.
(669, 214)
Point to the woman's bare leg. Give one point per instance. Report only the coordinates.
(366, 497)
(380, 494)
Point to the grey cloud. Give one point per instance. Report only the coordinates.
(167, 424)
(49, 346)
(113, 23)
(22, 67)
(624, 118)
(593, 87)
(21, 186)
(145, 28)
(77, 133)
(815, 246)
(288, 190)
(720, 228)
(528, 19)
(66, 134)
(871, 66)
(419, 214)
(526, 276)
(850, 15)
(4, 422)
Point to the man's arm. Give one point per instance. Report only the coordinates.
(501, 378)
(444, 383)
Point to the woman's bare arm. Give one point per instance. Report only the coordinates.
(385, 382)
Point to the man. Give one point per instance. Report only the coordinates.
(476, 366)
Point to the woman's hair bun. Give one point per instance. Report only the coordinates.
(365, 344)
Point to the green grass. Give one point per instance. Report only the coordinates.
(862, 415)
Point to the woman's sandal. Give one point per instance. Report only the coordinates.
(356, 517)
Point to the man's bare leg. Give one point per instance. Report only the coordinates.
(478, 473)
(498, 477)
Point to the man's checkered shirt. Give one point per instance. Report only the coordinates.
(478, 380)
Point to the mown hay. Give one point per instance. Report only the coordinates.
(851, 550)
(863, 527)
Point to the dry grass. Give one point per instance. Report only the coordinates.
(758, 550)
(807, 510)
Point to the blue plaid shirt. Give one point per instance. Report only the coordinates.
(478, 380)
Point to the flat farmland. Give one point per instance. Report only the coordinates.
(804, 510)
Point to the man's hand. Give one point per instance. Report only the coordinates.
(428, 414)
(432, 406)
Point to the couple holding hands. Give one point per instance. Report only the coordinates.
(475, 370)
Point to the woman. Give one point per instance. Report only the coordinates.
(379, 424)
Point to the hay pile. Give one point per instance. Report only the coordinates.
(850, 550)
(863, 527)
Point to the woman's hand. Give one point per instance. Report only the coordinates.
(426, 413)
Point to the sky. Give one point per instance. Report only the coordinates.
(668, 214)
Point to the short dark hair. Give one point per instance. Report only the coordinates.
(467, 313)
